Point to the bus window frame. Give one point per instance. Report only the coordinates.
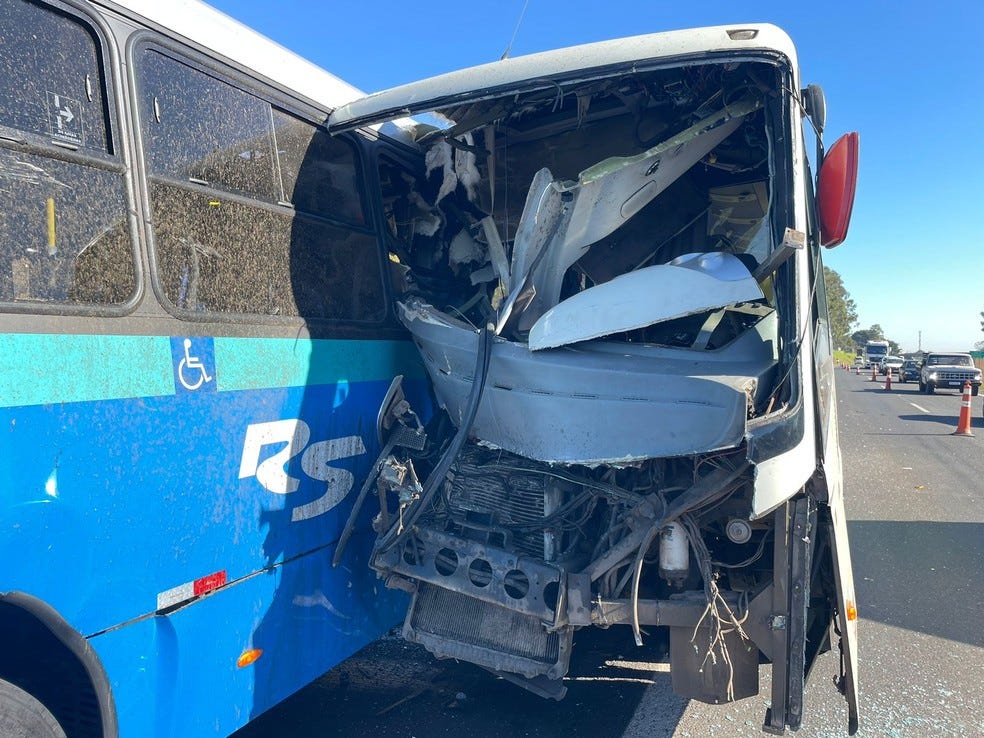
(220, 69)
(116, 159)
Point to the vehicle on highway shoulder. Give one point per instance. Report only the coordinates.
(608, 275)
(948, 370)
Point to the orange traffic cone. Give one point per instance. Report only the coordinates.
(888, 380)
(857, 370)
(963, 423)
(874, 374)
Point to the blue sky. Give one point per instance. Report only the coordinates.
(907, 75)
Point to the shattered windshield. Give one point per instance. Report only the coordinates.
(602, 188)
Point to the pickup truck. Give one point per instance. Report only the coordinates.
(948, 371)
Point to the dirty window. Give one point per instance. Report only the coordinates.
(64, 235)
(64, 232)
(52, 77)
(319, 172)
(199, 128)
(221, 255)
(241, 197)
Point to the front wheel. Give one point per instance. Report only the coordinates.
(974, 389)
(930, 389)
(22, 716)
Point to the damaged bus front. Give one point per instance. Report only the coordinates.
(608, 258)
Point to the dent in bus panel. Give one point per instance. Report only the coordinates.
(579, 190)
(64, 235)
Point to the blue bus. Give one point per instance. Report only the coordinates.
(196, 335)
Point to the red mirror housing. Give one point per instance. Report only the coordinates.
(835, 189)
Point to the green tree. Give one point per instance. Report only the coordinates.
(843, 312)
(874, 333)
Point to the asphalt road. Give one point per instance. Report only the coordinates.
(916, 509)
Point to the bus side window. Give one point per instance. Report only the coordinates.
(319, 172)
(64, 233)
(255, 212)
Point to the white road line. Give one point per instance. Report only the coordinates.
(919, 408)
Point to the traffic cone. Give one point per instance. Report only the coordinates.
(888, 380)
(963, 423)
(874, 374)
(857, 371)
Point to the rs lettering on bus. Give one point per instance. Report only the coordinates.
(293, 436)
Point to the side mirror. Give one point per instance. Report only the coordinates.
(835, 189)
(815, 106)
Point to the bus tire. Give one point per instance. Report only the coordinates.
(22, 716)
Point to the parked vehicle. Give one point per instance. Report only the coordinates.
(949, 371)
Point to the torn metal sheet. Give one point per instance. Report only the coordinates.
(602, 403)
(689, 284)
(604, 197)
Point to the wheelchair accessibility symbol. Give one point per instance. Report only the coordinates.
(191, 370)
(194, 364)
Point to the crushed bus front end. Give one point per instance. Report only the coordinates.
(608, 261)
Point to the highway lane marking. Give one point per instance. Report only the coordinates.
(919, 408)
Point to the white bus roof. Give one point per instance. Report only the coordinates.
(205, 26)
(542, 70)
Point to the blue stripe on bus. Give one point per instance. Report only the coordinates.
(40, 369)
(43, 369)
(259, 363)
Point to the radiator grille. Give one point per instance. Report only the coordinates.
(963, 376)
(465, 620)
(498, 490)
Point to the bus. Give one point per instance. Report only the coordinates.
(196, 335)
(282, 367)
(614, 279)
